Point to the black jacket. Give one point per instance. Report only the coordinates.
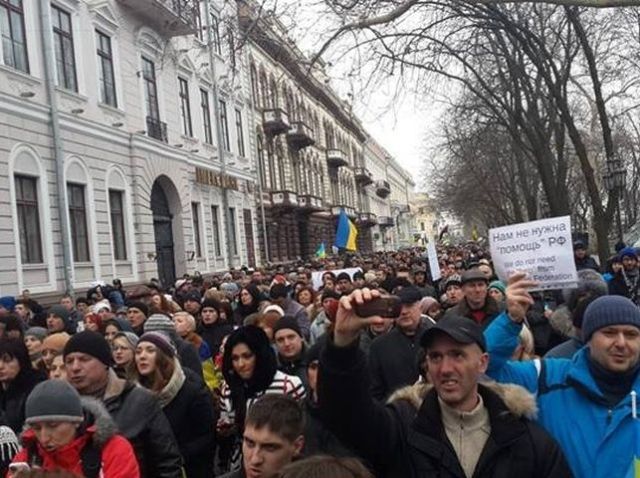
(406, 439)
(192, 419)
(141, 421)
(587, 262)
(297, 367)
(318, 439)
(14, 397)
(392, 362)
(491, 310)
(618, 286)
(214, 334)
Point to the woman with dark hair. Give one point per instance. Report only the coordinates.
(212, 329)
(17, 379)
(225, 312)
(250, 371)
(184, 399)
(248, 303)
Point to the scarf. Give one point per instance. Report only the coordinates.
(171, 389)
(614, 386)
(631, 281)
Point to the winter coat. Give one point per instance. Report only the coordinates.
(297, 367)
(566, 349)
(191, 416)
(618, 286)
(406, 439)
(392, 362)
(318, 439)
(213, 334)
(141, 421)
(14, 397)
(598, 440)
(117, 458)
(587, 262)
(491, 310)
(188, 354)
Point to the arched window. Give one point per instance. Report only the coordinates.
(255, 91)
(274, 93)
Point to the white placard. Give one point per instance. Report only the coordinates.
(316, 277)
(434, 265)
(543, 249)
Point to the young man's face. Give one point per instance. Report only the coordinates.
(265, 453)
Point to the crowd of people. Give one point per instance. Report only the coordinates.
(265, 373)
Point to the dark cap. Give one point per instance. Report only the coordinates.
(460, 329)
(193, 296)
(409, 295)
(474, 275)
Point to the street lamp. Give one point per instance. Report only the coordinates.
(615, 179)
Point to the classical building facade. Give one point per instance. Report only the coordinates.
(123, 147)
(311, 152)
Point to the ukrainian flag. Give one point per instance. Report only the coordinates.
(346, 234)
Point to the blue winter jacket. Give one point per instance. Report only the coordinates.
(598, 441)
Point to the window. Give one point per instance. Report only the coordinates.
(105, 63)
(225, 125)
(254, 86)
(215, 35)
(232, 230)
(195, 213)
(28, 219)
(215, 223)
(117, 224)
(150, 88)
(240, 133)
(232, 48)
(206, 116)
(63, 44)
(78, 222)
(261, 167)
(185, 108)
(14, 42)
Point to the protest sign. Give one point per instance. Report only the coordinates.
(543, 249)
(434, 265)
(316, 277)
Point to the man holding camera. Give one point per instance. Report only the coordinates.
(457, 428)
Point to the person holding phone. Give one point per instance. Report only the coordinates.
(455, 428)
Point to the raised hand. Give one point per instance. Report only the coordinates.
(518, 298)
(348, 325)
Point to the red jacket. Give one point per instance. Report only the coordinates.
(117, 457)
(118, 460)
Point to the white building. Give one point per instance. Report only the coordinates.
(111, 162)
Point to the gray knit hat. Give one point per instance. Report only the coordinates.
(130, 337)
(609, 310)
(39, 333)
(159, 323)
(55, 401)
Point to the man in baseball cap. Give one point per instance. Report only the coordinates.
(393, 356)
(477, 304)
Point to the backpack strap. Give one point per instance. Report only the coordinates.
(91, 459)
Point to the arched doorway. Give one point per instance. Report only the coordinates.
(163, 230)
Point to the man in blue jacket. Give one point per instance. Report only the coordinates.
(584, 402)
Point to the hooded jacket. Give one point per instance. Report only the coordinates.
(117, 459)
(598, 440)
(406, 437)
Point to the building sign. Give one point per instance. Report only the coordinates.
(211, 178)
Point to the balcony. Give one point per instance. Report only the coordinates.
(284, 199)
(310, 203)
(351, 212)
(157, 129)
(363, 176)
(367, 219)
(299, 135)
(385, 221)
(383, 189)
(168, 17)
(336, 158)
(275, 121)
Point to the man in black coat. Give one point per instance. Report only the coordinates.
(626, 282)
(456, 429)
(392, 357)
(136, 411)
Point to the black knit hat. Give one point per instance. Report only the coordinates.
(90, 343)
(141, 306)
(287, 322)
(210, 303)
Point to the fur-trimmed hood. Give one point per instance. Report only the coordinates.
(518, 400)
(97, 422)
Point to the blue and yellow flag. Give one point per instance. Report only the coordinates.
(346, 234)
(320, 252)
